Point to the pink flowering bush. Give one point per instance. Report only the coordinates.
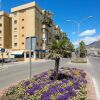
(70, 85)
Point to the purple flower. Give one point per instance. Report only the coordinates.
(35, 86)
(47, 98)
(76, 85)
(45, 94)
(30, 91)
(66, 96)
(73, 92)
(85, 81)
(69, 88)
(27, 83)
(64, 81)
(59, 97)
(62, 97)
(61, 90)
(52, 90)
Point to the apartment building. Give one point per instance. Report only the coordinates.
(30, 21)
(5, 30)
(25, 22)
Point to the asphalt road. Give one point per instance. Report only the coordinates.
(18, 71)
(93, 67)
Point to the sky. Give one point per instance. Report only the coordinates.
(73, 10)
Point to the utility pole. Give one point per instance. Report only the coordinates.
(78, 27)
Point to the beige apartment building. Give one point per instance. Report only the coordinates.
(27, 21)
(5, 33)
(30, 21)
(5, 30)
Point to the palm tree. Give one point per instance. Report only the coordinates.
(47, 20)
(56, 50)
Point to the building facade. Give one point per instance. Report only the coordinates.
(5, 30)
(25, 22)
(93, 51)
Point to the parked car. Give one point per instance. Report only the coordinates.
(1, 60)
(6, 60)
(13, 60)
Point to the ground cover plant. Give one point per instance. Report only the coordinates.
(79, 60)
(70, 85)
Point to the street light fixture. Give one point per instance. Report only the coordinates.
(78, 25)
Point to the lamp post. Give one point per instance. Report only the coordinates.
(78, 25)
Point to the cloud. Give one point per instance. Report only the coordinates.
(88, 32)
(87, 40)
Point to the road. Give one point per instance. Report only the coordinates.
(19, 71)
(93, 67)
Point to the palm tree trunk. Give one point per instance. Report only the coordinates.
(57, 60)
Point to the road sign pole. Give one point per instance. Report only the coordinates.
(2, 59)
(30, 46)
(30, 59)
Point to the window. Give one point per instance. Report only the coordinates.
(22, 43)
(22, 27)
(37, 43)
(15, 21)
(22, 19)
(0, 44)
(0, 31)
(15, 35)
(15, 44)
(41, 44)
(15, 28)
(22, 35)
(0, 38)
(0, 25)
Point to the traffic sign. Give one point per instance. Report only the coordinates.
(2, 49)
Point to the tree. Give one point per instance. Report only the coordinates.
(47, 20)
(56, 50)
(82, 49)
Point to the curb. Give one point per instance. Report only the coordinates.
(91, 94)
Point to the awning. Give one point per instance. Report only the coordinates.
(41, 50)
(16, 52)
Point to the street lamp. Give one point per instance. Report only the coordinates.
(78, 25)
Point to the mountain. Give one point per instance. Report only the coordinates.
(95, 44)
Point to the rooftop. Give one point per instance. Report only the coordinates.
(25, 6)
(3, 13)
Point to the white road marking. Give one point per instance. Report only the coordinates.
(1, 68)
(96, 89)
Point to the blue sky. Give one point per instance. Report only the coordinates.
(69, 9)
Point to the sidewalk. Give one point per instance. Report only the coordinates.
(37, 60)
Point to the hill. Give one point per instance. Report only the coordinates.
(95, 44)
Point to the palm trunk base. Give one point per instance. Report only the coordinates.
(57, 60)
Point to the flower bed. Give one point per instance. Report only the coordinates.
(79, 60)
(71, 85)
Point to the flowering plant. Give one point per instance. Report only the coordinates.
(70, 85)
